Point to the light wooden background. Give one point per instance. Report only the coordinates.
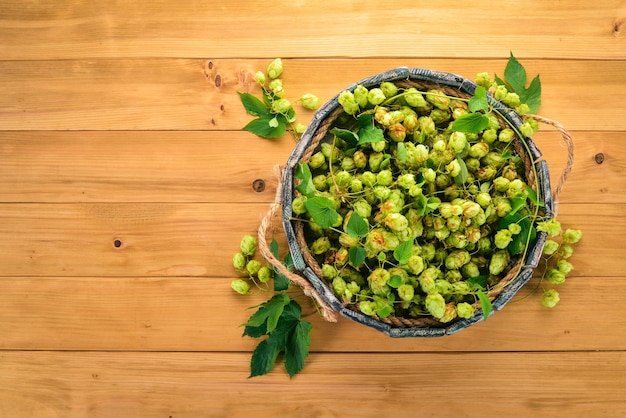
(119, 120)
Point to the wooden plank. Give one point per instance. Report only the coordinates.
(131, 166)
(188, 94)
(199, 314)
(169, 239)
(193, 28)
(136, 166)
(76, 384)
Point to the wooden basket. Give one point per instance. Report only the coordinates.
(307, 272)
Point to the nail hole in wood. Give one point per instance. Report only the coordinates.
(258, 185)
(117, 243)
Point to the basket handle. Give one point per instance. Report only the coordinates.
(327, 312)
(567, 138)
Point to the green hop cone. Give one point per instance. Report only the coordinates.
(265, 274)
(566, 251)
(464, 310)
(550, 298)
(259, 77)
(485, 80)
(367, 307)
(317, 160)
(572, 236)
(275, 69)
(552, 227)
(348, 102)
(360, 95)
(240, 286)
(458, 141)
(503, 238)
(435, 305)
(511, 99)
(299, 128)
(555, 276)
(550, 247)
(339, 285)
(253, 267)
(406, 292)
(239, 261)
(276, 87)
(281, 106)
(329, 272)
(564, 266)
(310, 101)
(449, 313)
(389, 89)
(498, 262)
(506, 135)
(320, 245)
(500, 92)
(515, 228)
(248, 245)
(376, 96)
(438, 99)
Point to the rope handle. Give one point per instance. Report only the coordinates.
(567, 138)
(266, 223)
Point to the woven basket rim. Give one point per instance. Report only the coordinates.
(521, 270)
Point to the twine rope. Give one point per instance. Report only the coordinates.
(266, 223)
(569, 142)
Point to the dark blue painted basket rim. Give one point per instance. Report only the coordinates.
(437, 78)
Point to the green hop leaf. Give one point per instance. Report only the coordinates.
(367, 131)
(471, 123)
(356, 227)
(264, 356)
(280, 281)
(262, 126)
(515, 76)
(346, 134)
(356, 255)
(321, 210)
(297, 347)
(403, 252)
(253, 106)
(485, 304)
(303, 173)
(269, 312)
(479, 101)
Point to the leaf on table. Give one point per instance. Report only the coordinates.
(269, 312)
(297, 348)
(262, 126)
(264, 357)
(253, 106)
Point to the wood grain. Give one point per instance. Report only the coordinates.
(68, 29)
(78, 384)
(125, 187)
(186, 314)
(201, 167)
(201, 94)
(170, 239)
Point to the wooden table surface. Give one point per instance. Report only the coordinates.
(126, 184)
